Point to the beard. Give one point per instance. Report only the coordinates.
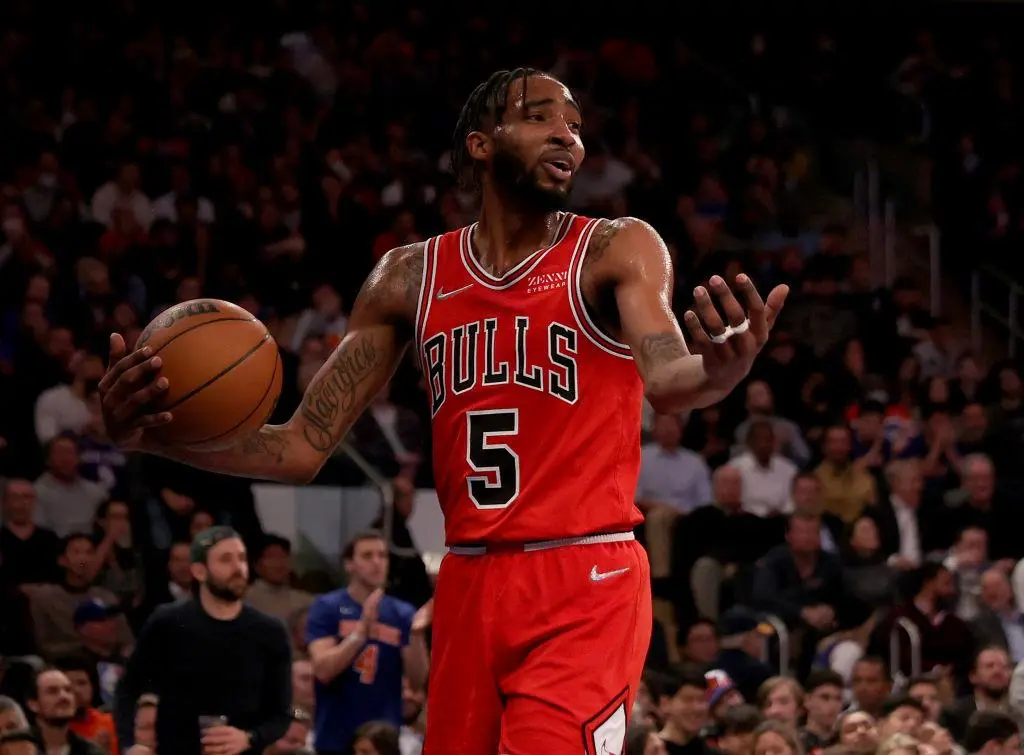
(514, 179)
(224, 591)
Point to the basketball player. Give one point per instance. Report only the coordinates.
(539, 333)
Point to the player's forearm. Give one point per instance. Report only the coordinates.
(295, 451)
(330, 664)
(416, 661)
(274, 452)
(680, 385)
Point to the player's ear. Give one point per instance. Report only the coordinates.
(479, 145)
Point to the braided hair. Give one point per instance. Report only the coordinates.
(486, 105)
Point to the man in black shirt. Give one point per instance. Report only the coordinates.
(213, 656)
(30, 552)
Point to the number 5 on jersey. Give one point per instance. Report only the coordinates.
(496, 482)
(366, 664)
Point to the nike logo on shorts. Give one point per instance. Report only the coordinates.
(601, 576)
(441, 295)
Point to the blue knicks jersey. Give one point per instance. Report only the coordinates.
(371, 688)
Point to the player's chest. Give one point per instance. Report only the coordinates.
(501, 344)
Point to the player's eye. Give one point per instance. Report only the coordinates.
(575, 126)
(534, 117)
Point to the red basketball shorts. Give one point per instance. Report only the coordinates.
(538, 652)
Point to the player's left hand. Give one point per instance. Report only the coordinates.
(225, 740)
(728, 360)
(424, 617)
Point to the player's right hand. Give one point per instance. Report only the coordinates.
(127, 392)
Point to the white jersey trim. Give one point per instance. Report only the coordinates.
(426, 293)
(577, 304)
(515, 274)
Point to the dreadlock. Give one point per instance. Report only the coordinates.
(484, 108)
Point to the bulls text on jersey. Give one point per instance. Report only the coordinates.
(464, 359)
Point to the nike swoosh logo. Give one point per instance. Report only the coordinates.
(441, 295)
(600, 576)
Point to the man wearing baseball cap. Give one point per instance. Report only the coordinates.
(96, 627)
(742, 642)
(213, 658)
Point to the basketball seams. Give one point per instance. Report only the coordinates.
(190, 328)
(214, 378)
(247, 417)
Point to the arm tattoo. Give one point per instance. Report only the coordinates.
(336, 390)
(269, 441)
(659, 348)
(602, 238)
(389, 296)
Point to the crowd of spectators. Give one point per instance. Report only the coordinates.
(868, 472)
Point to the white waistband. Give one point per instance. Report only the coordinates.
(544, 545)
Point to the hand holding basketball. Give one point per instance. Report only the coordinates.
(729, 350)
(127, 392)
(205, 373)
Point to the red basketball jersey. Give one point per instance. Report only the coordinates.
(536, 411)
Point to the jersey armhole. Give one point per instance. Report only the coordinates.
(426, 294)
(578, 304)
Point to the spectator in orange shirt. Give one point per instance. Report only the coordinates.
(89, 723)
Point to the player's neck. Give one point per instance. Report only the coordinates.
(505, 234)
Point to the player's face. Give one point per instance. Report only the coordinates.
(369, 563)
(537, 147)
(226, 573)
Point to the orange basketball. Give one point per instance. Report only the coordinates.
(223, 368)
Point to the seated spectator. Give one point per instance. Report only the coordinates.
(925, 689)
(145, 722)
(684, 709)
(272, 592)
(848, 488)
(909, 527)
(120, 564)
(12, 717)
(990, 682)
(767, 476)
(89, 723)
(719, 545)
(807, 495)
(51, 699)
(64, 408)
(901, 714)
(67, 502)
(992, 733)
(53, 606)
(738, 725)
(968, 560)
(743, 642)
(802, 584)
(788, 437)
(943, 636)
(781, 699)
(998, 622)
(30, 552)
(823, 701)
(376, 738)
(856, 730)
(776, 738)
(871, 684)
(699, 643)
(98, 629)
(867, 573)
